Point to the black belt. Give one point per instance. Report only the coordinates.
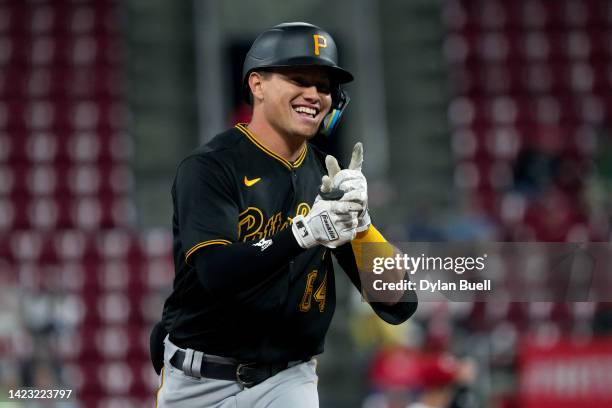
(247, 374)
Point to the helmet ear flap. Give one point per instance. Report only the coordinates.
(340, 100)
(339, 97)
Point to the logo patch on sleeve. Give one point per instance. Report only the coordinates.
(300, 225)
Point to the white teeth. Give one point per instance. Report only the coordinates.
(304, 109)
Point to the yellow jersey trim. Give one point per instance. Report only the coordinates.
(204, 244)
(242, 128)
(371, 236)
(160, 387)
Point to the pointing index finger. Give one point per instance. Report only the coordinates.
(356, 157)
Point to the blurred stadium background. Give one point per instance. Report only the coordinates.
(481, 120)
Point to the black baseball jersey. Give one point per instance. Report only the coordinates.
(234, 189)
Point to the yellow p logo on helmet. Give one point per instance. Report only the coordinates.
(319, 42)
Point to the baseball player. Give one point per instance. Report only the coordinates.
(258, 215)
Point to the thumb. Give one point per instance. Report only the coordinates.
(332, 165)
(356, 157)
(326, 184)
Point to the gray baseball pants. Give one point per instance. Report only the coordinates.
(295, 387)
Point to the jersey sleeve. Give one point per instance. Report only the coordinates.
(205, 204)
(392, 314)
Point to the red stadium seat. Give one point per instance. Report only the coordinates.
(43, 213)
(62, 49)
(493, 46)
(73, 275)
(57, 82)
(118, 402)
(8, 180)
(122, 213)
(26, 245)
(156, 243)
(503, 142)
(42, 180)
(492, 15)
(465, 144)
(533, 13)
(84, 180)
(118, 147)
(117, 244)
(7, 215)
(81, 377)
(41, 114)
(83, 146)
(70, 245)
(92, 82)
(113, 342)
(114, 308)
(531, 46)
(115, 377)
(63, 180)
(19, 216)
(86, 213)
(150, 378)
(144, 378)
(6, 148)
(117, 179)
(41, 147)
(114, 275)
(158, 274)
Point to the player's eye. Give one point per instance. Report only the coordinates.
(324, 88)
(299, 81)
(305, 83)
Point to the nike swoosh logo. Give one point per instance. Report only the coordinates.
(250, 183)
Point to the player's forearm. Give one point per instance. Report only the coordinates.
(370, 280)
(391, 312)
(230, 268)
(371, 244)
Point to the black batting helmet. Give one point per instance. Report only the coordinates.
(299, 44)
(294, 44)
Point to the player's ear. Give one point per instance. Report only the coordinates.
(255, 85)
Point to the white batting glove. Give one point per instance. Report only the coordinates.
(351, 182)
(329, 223)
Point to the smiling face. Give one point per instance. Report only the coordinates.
(292, 100)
